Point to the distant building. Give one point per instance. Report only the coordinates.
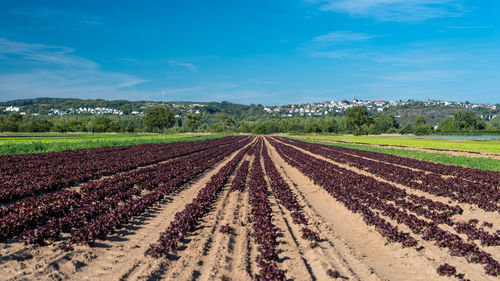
(12, 109)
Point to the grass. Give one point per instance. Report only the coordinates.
(52, 142)
(462, 145)
(445, 158)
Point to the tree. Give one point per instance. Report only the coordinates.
(421, 127)
(37, 125)
(89, 126)
(312, 126)
(357, 119)
(461, 121)
(328, 125)
(408, 129)
(14, 117)
(192, 120)
(11, 122)
(420, 120)
(468, 121)
(101, 124)
(158, 118)
(225, 120)
(383, 123)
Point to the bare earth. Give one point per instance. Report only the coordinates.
(357, 251)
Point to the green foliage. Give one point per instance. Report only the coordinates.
(358, 120)
(37, 126)
(435, 143)
(462, 121)
(423, 130)
(419, 121)
(232, 117)
(14, 117)
(61, 142)
(225, 120)
(192, 120)
(216, 128)
(329, 125)
(260, 128)
(408, 129)
(383, 123)
(421, 127)
(159, 118)
(11, 122)
(494, 124)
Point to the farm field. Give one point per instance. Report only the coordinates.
(487, 146)
(483, 161)
(245, 208)
(22, 143)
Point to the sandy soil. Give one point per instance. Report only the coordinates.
(357, 251)
(431, 256)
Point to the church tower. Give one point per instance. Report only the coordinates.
(353, 99)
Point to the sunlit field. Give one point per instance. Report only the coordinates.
(490, 146)
(21, 143)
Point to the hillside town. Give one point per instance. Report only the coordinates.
(338, 107)
(333, 107)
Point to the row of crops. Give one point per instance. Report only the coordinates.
(380, 202)
(99, 207)
(78, 197)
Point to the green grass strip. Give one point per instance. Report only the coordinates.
(491, 146)
(60, 144)
(471, 162)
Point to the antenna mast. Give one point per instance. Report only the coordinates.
(163, 96)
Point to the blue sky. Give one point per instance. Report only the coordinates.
(267, 52)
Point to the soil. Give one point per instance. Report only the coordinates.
(347, 244)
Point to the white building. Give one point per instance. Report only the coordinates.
(12, 109)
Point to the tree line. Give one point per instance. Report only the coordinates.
(357, 120)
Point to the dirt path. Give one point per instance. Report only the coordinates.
(448, 151)
(232, 253)
(333, 249)
(193, 260)
(208, 248)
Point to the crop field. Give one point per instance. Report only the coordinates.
(483, 146)
(245, 208)
(489, 162)
(22, 143)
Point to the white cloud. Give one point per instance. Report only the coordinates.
(336, 44)
(43, 54)
(394, 10)
(29, 70)
(334, 54)
(343, 36)
(187, 65)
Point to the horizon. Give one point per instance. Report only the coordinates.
(285, 52)
(265, 105)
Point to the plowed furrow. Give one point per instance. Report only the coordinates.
(389, 261)
(333, 252)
